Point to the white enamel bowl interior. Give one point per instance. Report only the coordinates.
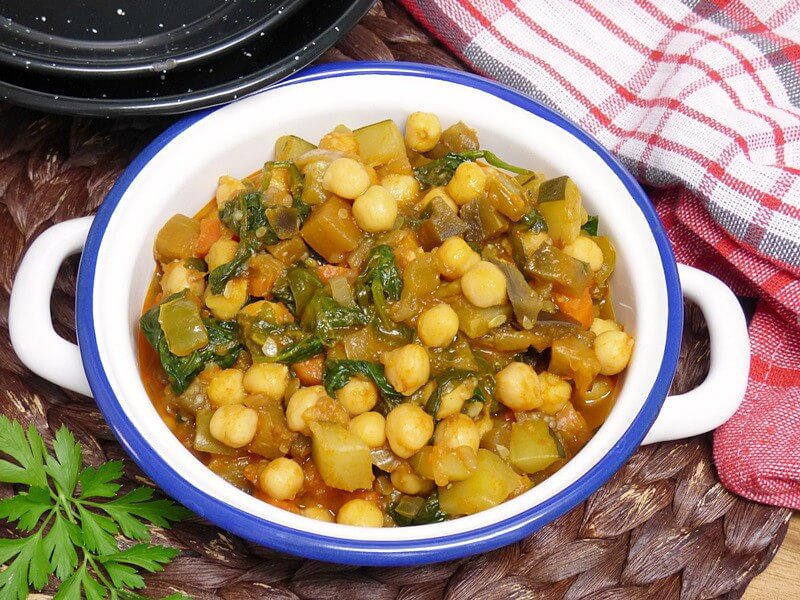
(237, 139)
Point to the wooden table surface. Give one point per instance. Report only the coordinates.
(781, 579)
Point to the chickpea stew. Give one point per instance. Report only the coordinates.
(386, 328)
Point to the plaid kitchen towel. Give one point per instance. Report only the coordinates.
(701, 100)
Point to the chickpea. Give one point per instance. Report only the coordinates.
(438, 326)
(234, 425)
(269, 379)
(602, 325)
(403, 188)
(457, 430)
(360, 513)
(613, 349)
(227, 189)
(423, 131)
(468, 183)
(484, 285)
(281, 479)
(302, 400)
(375, 210)
(224, 306)
(456, 258)
(346, 177)
(408, 482)
(517, 387)
(453, 401)
(318, 513)
(178, 277)
(226, 388)
(408, 428)
(586, 250)
(222, 251)
(438, 192)
(370, 427)
(358, 395)
(407, 368)
(556, 392)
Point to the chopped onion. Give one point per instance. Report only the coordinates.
(385, 459)
(341, 291)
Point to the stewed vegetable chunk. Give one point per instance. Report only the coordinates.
(388, 327)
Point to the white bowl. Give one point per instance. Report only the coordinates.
(178, 173)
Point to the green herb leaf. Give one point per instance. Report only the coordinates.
(338, 373)
(219, 277)
(590, 226)
(26, 507)
(302, 350)
(63, 469)
(28, 451)
(74, 524)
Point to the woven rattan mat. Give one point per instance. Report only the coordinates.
(662, 528)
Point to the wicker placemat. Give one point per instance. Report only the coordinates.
(662, 528)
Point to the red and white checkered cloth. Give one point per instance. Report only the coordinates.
(701, 100)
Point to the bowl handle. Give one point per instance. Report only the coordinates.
(30, 325)
(714, 401)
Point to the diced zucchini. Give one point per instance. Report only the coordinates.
(572, 357)
(505, 194)
(273, 438)
(488, 486)
(560, 205)
(380, 143)
(177, 238)
(533, 446)
(551, 265)
(342, 458)
(289, 147)
(609, 259)
(231, 469)
(331, 230)
(474, 321)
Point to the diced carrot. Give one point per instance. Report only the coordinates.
(577, 307)
(210, 232)
(328, 272)
(309, 372)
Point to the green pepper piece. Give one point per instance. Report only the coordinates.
(182, 326)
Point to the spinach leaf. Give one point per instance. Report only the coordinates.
(327, 318)
(380, 319)
(223, 347)
(296, 287)
(245, 215)
(449, 380)
(297, 180)
(439, 172)
(338, 373)
(430, 512)
(379, 266)
(220, 276)
(302, 350)
(590, 226)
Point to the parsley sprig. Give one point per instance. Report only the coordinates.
(75, 517)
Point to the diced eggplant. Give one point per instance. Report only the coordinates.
(459, 137)
(525, 302)
(442, 223)
(331, 230)
(284, 221)
(550, 265)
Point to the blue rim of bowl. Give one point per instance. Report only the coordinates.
(362, 552)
